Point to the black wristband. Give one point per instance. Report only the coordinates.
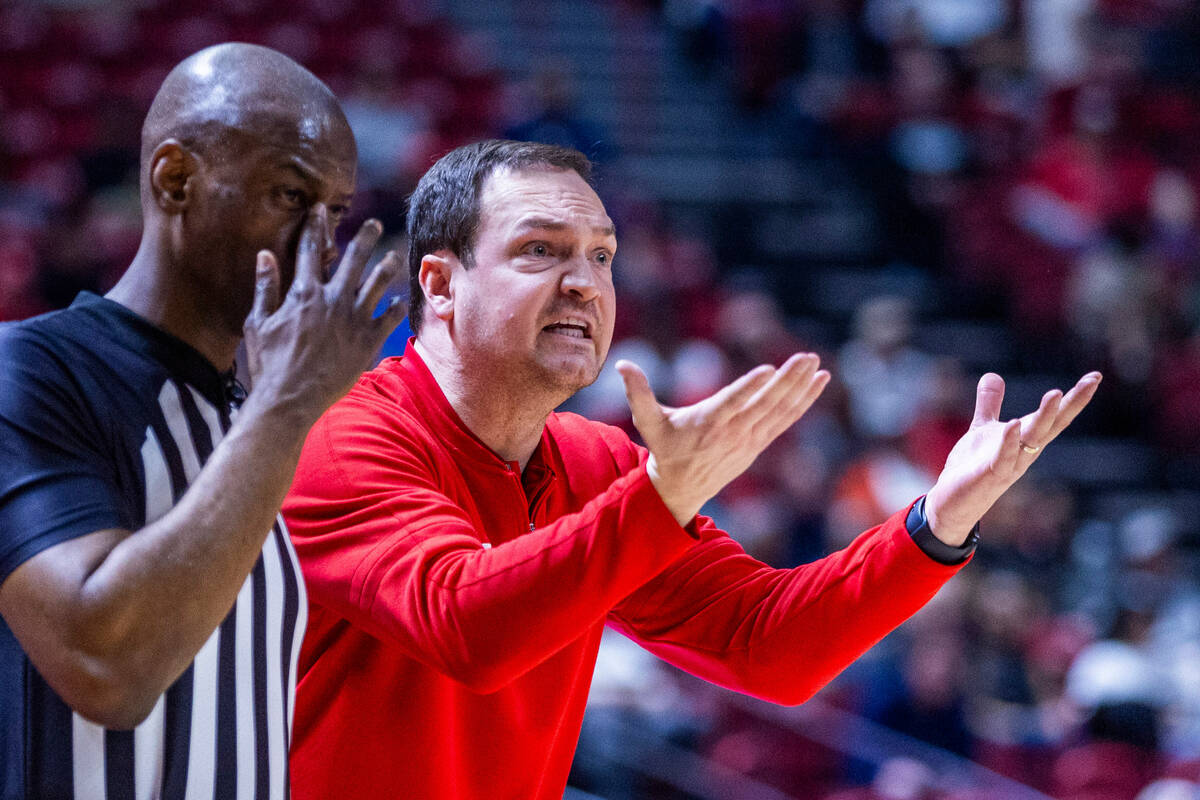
(935, 548)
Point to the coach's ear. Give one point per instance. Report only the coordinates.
(435, 282)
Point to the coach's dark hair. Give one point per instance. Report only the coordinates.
(443, 212)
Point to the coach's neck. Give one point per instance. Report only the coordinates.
(506, 418)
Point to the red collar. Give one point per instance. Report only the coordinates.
(430, 404)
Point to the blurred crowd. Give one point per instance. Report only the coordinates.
(1044, 152)
(1043, 156)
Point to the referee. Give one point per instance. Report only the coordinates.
(152, 604)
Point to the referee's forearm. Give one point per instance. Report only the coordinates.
(152, 601)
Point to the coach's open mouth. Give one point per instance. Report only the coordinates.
(572, 326)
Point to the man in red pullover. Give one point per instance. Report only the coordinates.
(464, 546)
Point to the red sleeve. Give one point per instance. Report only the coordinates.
(780, 634)
(383, 546)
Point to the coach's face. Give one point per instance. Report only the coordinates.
(538, 303)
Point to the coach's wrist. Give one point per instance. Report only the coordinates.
(682, 507)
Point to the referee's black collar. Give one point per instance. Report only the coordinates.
(141, 335)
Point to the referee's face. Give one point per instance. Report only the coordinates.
(259, 198)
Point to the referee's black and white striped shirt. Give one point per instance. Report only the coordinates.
(104, 422)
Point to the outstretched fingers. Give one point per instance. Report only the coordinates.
(1037, 425)
(354, 261)
(1004, 462)
(1075, 401)
(381, 277)
(741, 394)
(309, 270)
(802, 385)
(782, 386)
(805, 399)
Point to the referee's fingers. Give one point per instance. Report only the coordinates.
(381, 277)
(354, 261)
(266, 285)
(391, 318)
(309, 269)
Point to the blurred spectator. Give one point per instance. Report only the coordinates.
(1028, 534)
(752, 330)
(932, 705)
(1055, 33)
(1170, 789)
(885, 376)
(1176, 382)
(870, 487)
(942, 417)
(897, 779)
(554, 117)
(392, 137)
(944, 24)
(1121, 693)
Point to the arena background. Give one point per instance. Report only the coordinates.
(920, 190)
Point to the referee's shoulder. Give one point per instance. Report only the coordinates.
(31, 340)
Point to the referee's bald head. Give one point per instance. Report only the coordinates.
(216, 98)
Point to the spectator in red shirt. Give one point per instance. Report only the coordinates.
(464, 545)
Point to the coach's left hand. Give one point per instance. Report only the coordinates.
(992, 455)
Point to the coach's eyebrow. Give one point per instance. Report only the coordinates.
(550, 224)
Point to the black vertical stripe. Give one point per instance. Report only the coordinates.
(170, 451)
(262, 748)
(291, 604)
(118, 763)
(177, 722)
(51, 766)
(227, 689)
(178, 733)
(200, 432)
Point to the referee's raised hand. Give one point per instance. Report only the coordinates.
(307, 348)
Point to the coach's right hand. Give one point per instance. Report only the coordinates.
(308, 350)
(696, 450)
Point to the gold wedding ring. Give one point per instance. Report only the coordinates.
(1030, 450)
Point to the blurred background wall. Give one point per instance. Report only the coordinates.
(920, 190)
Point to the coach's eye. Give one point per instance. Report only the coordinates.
(539, 249)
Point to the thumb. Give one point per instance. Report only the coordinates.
(647, 413)
(989, 396)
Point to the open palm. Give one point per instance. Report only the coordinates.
(992, 455)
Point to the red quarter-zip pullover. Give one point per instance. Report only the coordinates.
(456, 605)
